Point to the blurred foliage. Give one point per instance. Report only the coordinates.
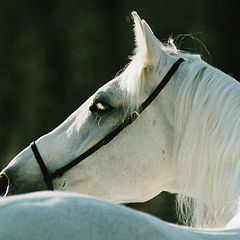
(56, 53)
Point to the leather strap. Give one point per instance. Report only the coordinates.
(46, 175)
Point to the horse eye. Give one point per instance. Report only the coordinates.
(100, 107)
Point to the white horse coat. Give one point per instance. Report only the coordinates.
(61, 216)
(185, 142)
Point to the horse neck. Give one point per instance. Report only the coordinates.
(207, 146)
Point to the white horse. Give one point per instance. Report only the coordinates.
(186, 141)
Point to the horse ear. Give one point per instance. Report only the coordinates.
(148, 47)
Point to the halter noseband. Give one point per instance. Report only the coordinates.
(49, 177)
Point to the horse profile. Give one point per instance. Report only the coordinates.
(185, 141)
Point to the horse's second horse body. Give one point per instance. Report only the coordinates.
(186, 141)
(62, 216)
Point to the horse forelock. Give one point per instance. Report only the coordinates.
(137, 73)
(132, 79)
(206, 145)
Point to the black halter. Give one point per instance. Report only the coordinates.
(48, 177)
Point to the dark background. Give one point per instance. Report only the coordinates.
(55, 54)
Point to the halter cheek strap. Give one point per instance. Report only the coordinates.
(48, 177)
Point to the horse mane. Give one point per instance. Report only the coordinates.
(206, 141)
(207, 146)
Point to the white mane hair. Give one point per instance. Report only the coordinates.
(207, 145)
(206, 141)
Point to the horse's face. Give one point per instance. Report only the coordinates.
(135, 166)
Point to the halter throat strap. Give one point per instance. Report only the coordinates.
(49, 177)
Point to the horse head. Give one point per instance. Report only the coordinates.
(136, 164)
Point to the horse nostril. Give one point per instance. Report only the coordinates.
(3, 184)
